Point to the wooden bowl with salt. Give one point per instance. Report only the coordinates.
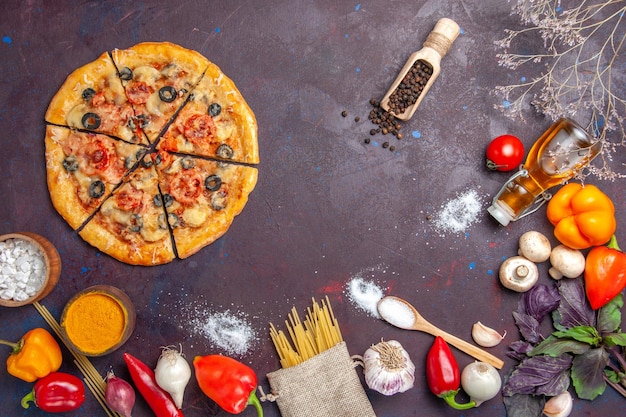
(36, 258)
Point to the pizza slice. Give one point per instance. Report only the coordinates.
(83, 168)
(92, 98)
(131, 225)
(158, 77)
(216, 122)
(201, 198)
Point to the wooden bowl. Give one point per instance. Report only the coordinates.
(51, 259)
(98, 320)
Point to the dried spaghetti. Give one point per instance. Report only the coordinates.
(319, 332)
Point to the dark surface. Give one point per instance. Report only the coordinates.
(326, 208)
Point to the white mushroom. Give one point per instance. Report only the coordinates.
(534, 246)
(566, 262)
(518, 274)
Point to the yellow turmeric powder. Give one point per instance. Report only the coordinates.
(95, 322)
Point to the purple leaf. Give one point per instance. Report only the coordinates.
(519, 350)
(540, 301)
(588, 373)
(574, 310)
(528, 327)
(539, 375)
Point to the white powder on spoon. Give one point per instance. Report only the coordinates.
(396, 313)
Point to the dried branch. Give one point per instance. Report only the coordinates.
(580, 78)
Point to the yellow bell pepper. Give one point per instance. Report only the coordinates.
(35, 355)
(583, 216)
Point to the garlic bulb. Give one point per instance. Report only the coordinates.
(486, 336)
(559, 406)
(388, 368)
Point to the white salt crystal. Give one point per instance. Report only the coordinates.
(396, 313)
(21, 266)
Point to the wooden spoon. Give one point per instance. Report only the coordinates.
(402, 314)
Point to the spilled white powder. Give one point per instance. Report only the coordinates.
(396, 313)
(225, 330)
(365, 295)
(458, 215)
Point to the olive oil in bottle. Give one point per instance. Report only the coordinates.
(557, 156)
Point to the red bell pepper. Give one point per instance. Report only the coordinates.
(228, 382)
(56, 392)
(158, 399)
(443, 374)
(605, 273)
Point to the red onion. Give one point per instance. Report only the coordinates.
(119, 395)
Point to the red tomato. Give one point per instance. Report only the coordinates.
(505, 153)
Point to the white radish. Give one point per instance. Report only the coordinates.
(173, 373)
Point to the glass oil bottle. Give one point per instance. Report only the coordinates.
(557, 156)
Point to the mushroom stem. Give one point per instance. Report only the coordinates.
(521, 271)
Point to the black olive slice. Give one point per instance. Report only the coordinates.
(126, 74)
(147, 161)
(218, 201)
(91, 121)
(187, 162)
(136, 222)
(173, 220)
(158, 200)
(161, 221)
(212, 183)
(167, 94)
(225, 151)
(88, 93)
(96, 189)
(167, 200)
(215, 109)
(70, 163)
(142, 119)
(129, 162)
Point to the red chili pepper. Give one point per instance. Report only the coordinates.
(56, 392)
(443, 375)
(605, 273)
(228, 382)
(158, 399)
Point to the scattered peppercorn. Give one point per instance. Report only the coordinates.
(392, 148)
(344, 113)
(367, 140)
(385, 145)
(357, 119)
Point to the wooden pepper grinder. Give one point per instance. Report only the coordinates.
(420, 71)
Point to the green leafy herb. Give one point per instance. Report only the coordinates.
(585, 347)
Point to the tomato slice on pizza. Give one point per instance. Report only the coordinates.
(131, 224)
(92, 98)
(216, 122)
(202, 198)
(83, 168)
(158, 78)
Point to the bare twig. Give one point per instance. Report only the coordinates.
(581, 58)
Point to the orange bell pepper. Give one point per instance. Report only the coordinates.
(35, 355)
(582, 216)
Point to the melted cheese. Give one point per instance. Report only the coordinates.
(195, 216)
(74, 117)
(146, 74)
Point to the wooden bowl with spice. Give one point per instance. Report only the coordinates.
(30, 267)
(98, 320)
